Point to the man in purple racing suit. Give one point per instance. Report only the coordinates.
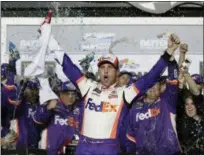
(23, 101)
(152, 119)
(8, 93)
(104, 101)
(62, 120)
(28, 131)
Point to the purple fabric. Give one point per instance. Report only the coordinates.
(148, 80)
(33, 84)
(90, 146)
(197, 78)
(63, 120)
(27, 127)
(4, 69)
(124, 141)
(7, 108)
(71, 70)
(150, 124)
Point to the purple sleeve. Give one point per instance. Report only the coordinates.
(79, 117)
(9, 94)
(148, 80)
(11, 79)
(4, 131)
(126, 144)
(42, 115)
(71, 70)
(131, 128)
(171, 92)
(131, 141)
(3, 98)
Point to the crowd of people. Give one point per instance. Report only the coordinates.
(150, 115)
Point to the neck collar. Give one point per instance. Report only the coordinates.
(155, 101)
(113, 86)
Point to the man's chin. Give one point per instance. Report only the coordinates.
(68, 103)
(107, 84)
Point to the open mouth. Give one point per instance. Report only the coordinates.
(105, 78)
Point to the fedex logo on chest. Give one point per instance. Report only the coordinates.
(60, 121)
(64, 122)
(150, 113)
(102, 107)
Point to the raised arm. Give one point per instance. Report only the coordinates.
(192, 85)
(183, 49)
(69, 68)
(9, 97)
(138, 88)
(171, 92)
(184, 70)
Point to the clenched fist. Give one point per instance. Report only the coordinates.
(183, 48)
(173, 42)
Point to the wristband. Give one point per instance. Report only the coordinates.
(166, 56)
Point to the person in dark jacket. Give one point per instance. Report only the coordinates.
(191, 127)
(28, 131)
(190, 116)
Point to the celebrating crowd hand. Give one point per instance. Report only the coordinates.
(13, 137)
(173, 43)
(181, 80)
(51, 104)
(183, 48)
(9, 139)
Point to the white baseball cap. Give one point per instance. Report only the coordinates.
(109, 58)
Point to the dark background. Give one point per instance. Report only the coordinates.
(96, 9)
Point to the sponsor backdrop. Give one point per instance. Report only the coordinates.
(140, 43)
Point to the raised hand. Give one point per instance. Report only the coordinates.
(183, 48)
(181, 80)
(52, 104)
(173, 43)
(13, 137)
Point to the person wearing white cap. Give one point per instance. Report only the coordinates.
(104, 100)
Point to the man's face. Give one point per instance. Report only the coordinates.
(68, 98)
(190, 108)
(31, 94)
(108, 74)
(123, 80)
(154, 92)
